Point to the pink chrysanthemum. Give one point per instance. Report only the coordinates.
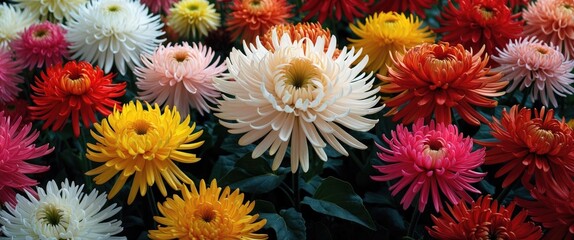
(41, 44)
(158, 5)
(15, 109)
(9, 78)
(17, 146)
(430, 159)
(531, 62)
(181, 76)
(552, 21)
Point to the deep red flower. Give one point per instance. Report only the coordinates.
(554, 209)
(414, 6)
(484, 219)
(527, 146)
(433, 79)
(325, 8)
(475, 23)
(74, 89)
(15, 109)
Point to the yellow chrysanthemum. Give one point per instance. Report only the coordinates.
(193, 18)
(143, 142)
(207, 214)
(384, 34)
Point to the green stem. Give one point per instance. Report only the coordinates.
(152, 204)
(524, 97)
(86, 163)
(505, 192)
(295, 187)
(288, 192)
(414, 220)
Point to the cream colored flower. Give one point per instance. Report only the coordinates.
(13, 21)
(60, 9)
(193, 18)
(295, 95)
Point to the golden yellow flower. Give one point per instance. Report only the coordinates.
(207, 214)
(144, 143)
(384, 34)
(193, 18)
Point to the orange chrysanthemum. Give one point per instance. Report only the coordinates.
(252, 18)
(207, 213)
(76, 89)
(541, 147)
(436, 78)
(298, 32)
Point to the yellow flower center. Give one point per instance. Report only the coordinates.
(50, 214)
(40, 33)
(255, 4)
(434, 148)
(75, 83)
(300, 72)
(141, 126)
(206, 212)
(486, 12)
(113, 8)
(192, 7)
(542, 50)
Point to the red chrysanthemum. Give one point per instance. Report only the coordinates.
(15, 109)
(475, 23)
(430, 161)
(16, 147)
(414, 6)
(554, 209)
(76, 89)
(327, 8)
(538, 146)
(252, 18)
(484, 219)
(436, 78)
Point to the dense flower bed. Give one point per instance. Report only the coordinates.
(286, 119)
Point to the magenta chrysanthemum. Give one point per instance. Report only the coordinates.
(9, 78)
(430, 159)
(157, 6)
(17, 146)
(552, 21)
(41, 44)
(181, 76)
(531, 62)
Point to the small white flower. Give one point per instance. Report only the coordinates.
(108, 32)
(60, 9)
(60, 213)
(12, 22)
(294, 95)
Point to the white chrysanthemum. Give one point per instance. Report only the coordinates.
(60, 9)
(12, 22)
(109, 32)
(294, 95)
(60, 213)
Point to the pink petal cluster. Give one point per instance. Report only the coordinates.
(42, 44)
(552, 21)
(158, 5)
(16, 147)
(9, 78)
(181, 76)
(530, 62)
(430, 160)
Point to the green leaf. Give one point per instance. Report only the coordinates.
(253, 176)
(337, 198)
(288, 224)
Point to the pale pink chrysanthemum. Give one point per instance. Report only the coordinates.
(181, 76)
(16, 147)
(9, 78)
(531, 62)
(42, 44)
(431, 159)
(552, 21)
(157, 6)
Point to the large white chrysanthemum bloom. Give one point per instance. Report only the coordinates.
(60, 213)
(108, 32)
(60, 9)
(12, 22)
(295, 95)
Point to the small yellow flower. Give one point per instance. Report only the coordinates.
(207, 214)
(193, 18)
(384, 34)
(143, 142)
